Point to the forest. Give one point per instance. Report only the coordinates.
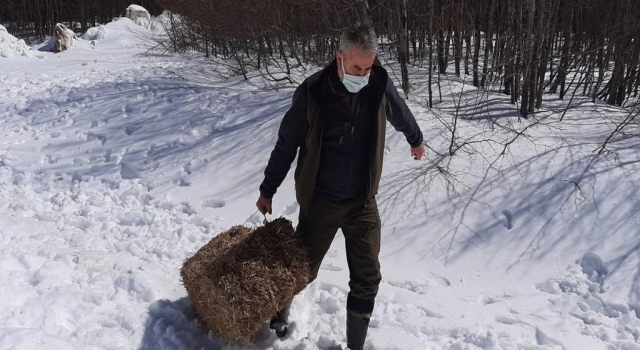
(526, 48)
(32, 19)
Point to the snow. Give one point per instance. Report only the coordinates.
(95, 33)
(116, 166)
(139, 15)
(137, 8)
(11, 46)
(121, 34)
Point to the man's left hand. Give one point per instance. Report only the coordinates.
(417, 152)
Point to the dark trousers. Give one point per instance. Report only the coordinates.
(360, 223)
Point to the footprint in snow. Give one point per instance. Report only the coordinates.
(99, 123)
(486, 300)
(414, 287)
(507, 320)
(443, 281)
(182, 182)
(213, 203)
(330, 267)
(290, 209)
(509, 219)
(128, 172)
(53, 158)
(490, 300)
(92, 136)
(187, 168)
(132, 128)
(544, 339)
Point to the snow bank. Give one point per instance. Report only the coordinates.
(139, 15)
(136, 18)
(122, 33)
(95, 33)
(10, 45)
(137, 8)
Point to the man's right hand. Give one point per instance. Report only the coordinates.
(264, 205)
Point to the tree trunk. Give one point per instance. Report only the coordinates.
(431, 65)
(561, 78)
(457, 49)
(528, 59)
(442, 61)
(467, 52)
(476, 56)
(364, 14)
(488, 40)
(403, 45)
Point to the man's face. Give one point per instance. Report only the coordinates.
(356, 62)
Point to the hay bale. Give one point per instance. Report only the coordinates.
(242, 277)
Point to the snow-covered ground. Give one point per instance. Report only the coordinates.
(116, 166)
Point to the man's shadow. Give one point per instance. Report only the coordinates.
(172, 325)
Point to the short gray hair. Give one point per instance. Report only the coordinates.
(361, 36)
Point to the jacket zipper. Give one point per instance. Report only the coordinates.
(354, 117)
(350, 162)
(373, 149)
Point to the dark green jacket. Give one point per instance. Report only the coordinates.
(302, 128)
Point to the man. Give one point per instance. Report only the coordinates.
(338, 121)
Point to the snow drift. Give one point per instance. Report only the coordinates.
(137, 24)
(10, 45)
(95, 33)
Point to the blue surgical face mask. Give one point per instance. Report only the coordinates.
(353, 83)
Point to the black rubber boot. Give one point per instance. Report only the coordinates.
(357, 325)
(280, 323)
